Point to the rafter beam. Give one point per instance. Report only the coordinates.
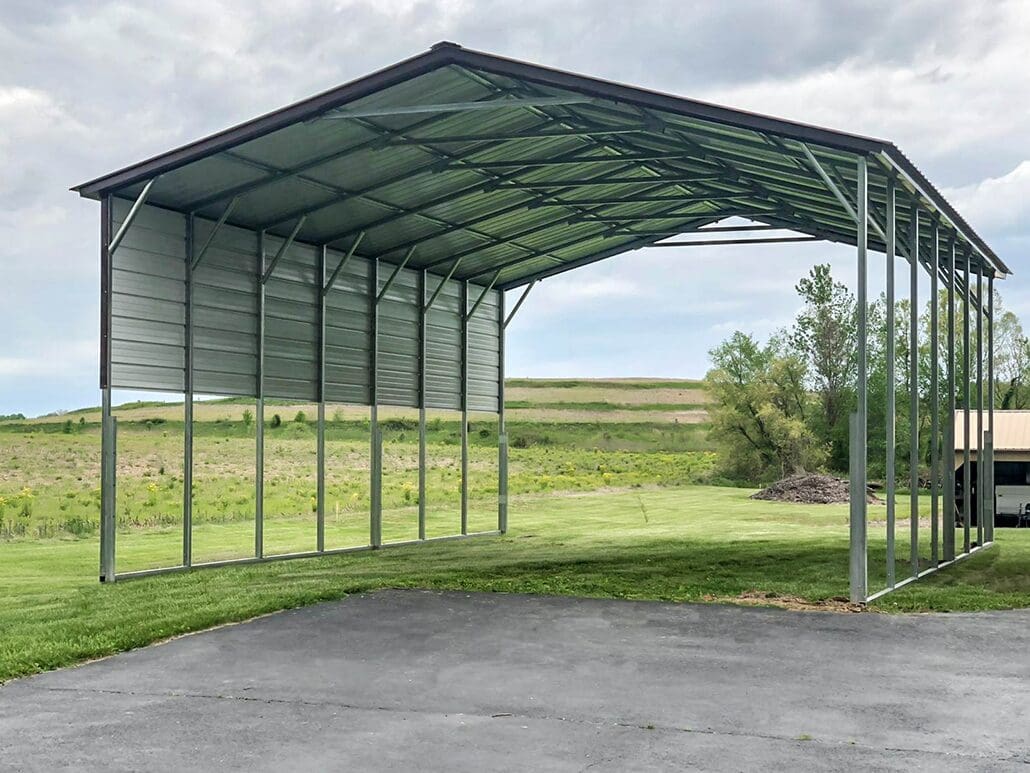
(665, 181)
(452, 107)
(528, 134)
(718, 242)
(539, 162)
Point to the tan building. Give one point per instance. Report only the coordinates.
(1011, 464)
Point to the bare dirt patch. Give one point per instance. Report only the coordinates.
(761, 598)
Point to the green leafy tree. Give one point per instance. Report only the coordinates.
(759, 410)
(824, 336)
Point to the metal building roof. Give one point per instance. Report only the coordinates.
(496, 169)
(1011, 430)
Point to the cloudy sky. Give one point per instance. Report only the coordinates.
(87, 87)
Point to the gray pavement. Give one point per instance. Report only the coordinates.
(415, 680)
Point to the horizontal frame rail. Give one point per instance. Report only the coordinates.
(140, 573)
(926, 572)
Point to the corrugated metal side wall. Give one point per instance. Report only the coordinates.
(291, 322)
(225, 312)
(149, 321)
(484, 345)
(148, 301)
(443, 346)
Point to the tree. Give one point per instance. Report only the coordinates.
(824, 335)
(1011, 359)
(760, 406)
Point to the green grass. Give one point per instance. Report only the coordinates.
(686, 544)
(601, 507)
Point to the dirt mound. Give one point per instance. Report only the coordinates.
(809, 488)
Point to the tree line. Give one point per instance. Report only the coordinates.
(782, 406)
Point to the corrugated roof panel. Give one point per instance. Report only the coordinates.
(686, 138)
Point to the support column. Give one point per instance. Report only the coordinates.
(891, 442)
(375, 527)
(423, 329)
(980, 500)
(990, 492)
(935, 401)
(187, 458)
(502, 429)
(913, 392)
(949, 493)
(967, 477)
(108, 436)
(259, 428)
(320, 449)
(859, 579)
(465, 407)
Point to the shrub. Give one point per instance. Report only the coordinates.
(300, 418)
(248, 418)
(276, 421)
(68, 427)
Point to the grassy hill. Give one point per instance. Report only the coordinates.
(528, 400)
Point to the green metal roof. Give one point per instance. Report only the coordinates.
(521, 171)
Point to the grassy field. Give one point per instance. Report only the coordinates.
(606, 507)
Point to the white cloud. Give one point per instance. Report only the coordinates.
(998, 204)
(86, 88)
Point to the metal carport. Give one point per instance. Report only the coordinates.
(342, 221)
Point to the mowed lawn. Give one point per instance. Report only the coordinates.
(694, 543)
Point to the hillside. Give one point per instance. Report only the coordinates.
(614, 401)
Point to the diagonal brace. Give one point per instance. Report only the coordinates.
(282, 250)
(140, 200)
(444, 281)
(343, 263)
(395, 274)
(482, 295)
(214, 231)
(518, 303)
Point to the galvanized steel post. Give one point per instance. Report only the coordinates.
(259, 431)
(913, 390)
(422, 350)
(949, 493)
(187, 454)
(889, 422)
(979, 405)
(990, 492)
(858, 567)
(502, 429)
(108, 435)
(464, 407)
(967, 478)
(935, 401)
(320, 441)
(375, 526)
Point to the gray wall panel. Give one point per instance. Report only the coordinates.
(148, 301)
(149, 311)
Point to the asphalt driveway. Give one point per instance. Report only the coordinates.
(414, 680)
